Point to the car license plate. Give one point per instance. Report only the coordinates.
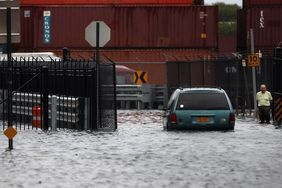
(202, 119)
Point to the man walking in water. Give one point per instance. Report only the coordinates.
(264, 98)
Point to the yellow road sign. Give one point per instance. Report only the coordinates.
(10, 132)
(140, 77)
(253, 60)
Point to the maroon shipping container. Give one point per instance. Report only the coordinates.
(131, 27)
(241, 30)
(267, 26)
(101, 2)
(261, 3)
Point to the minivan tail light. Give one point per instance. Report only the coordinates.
(232, 118)
(173, 118)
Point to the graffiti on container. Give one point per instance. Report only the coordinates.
(47, 26)
(261, 20)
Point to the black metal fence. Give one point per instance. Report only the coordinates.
(227, 73)
(59, 94)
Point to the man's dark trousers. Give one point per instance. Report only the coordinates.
(264, 113)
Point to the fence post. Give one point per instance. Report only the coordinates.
(86, 114)
(54, 112)
(115, 94)
(93, 100)
(45, 96)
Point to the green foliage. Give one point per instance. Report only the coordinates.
(227, 18)
(227, 12)
(227, 28)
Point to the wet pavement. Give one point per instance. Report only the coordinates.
(141, 154)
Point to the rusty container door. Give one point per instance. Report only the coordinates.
(267, 26)
(131, 27)
(261, 3)
(103, 2)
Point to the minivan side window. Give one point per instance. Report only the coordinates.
(172, 100)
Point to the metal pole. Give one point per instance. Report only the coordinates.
(54, 112)
(115, 96)
(98, 119)
(10, 66)
(45, 98)
(253, 71)
(246, 85)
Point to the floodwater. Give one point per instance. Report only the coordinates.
(141, 154)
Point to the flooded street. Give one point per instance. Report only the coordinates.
(141, 154)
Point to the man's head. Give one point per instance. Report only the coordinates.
(263, 88)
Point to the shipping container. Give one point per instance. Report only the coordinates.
(153, 61)
(101, 2)
(190, 73)
(131, 27)
(144, 56)
(267, 27)
(241, 30)
(226, 44)
(261, 3)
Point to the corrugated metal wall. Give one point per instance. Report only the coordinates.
(189, 74)
(131, 27)
(89, 2)
(241, 30)
(262, 3)
(267, 25)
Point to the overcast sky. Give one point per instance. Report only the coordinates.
(239, 2)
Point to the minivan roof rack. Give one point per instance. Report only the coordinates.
(201, 86)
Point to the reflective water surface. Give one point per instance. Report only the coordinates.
(141, 154)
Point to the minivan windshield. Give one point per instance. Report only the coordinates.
(202, 101)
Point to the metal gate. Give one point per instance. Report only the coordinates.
(64, 94)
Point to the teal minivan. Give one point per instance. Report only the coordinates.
(199, 108)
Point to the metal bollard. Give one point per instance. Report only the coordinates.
(54, 112)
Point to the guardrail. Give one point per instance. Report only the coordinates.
(133, 96)
(141, 96)
(69, 110)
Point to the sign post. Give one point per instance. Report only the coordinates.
(97, 34)
(254, 72)
(12, 32)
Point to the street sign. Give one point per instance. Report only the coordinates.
(10, 132)
(253, 60)
(90, 33)
(140, 77)
(47, 27)
(15, 20)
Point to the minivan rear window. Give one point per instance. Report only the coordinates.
(202, 101)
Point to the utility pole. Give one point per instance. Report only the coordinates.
(253, 71)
